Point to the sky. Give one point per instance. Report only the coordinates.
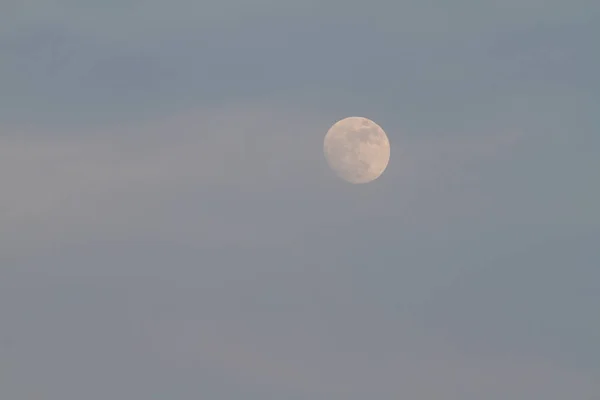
(169, 227)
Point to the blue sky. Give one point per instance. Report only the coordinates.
(169, 226)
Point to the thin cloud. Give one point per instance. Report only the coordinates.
(130, 179)
(341, 358)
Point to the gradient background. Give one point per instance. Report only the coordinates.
(169, 227)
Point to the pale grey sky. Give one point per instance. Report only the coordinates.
(169, 226)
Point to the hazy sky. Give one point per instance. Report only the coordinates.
(169, 227)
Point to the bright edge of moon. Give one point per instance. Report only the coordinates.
(357, 149)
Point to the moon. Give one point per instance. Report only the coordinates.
(357, 149)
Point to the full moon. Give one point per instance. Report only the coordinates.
(357, 149)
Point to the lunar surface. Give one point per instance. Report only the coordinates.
(357, 149)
